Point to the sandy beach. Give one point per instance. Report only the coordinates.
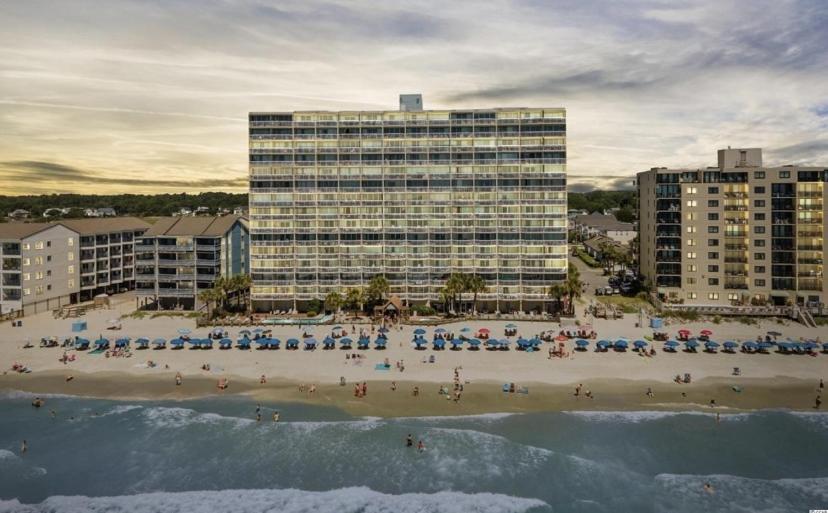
(617, 379)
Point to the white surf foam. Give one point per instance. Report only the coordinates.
(345, 500)
(632, 417)
(121, 409)
(818, 418)
(7, 455)
(165, 417)
(490, 417)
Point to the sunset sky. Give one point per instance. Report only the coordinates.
(152, 96)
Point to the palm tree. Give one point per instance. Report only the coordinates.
(572, 286)
(354, 299)
(558, 291)
(476, 285)
(208, 296)
(456, 285)
(377, 289)
(244, 281)
(333, 301)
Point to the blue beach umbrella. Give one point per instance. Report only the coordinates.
(711, 344)
(263, 342)
(225, 343)
(692, 343)
(473, 342)
(729, 344)
(345, 342)
(81, 343)
(243, 343)
(177, 342)
(440, 331)
(142, 343)
(465, 329)
(671, 343)
(810, 346)
(420, 342)
(206, 343)
(380, 342)
(455, 343)
(419, 331)
(122, 342)
(764, 346)
(244, 332)
(439, 343)
(750, 345)
(535, 342)
(505, 342)
(328, 342)
(310, 342)
(363, 342)
(493, 343)
(640, 344)
(511, 326)
(620, 344)
(603, 343)
(292, 343)
(102, 342)
(581, 342)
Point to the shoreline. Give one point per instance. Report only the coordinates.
(480, 397)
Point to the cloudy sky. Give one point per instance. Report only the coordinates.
(152, 96)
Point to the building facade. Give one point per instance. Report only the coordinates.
(178, 257)
(337, 198)
(590, 225)
(106, 253)
(736, 234)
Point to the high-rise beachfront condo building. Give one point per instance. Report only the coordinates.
(414, 195)
(738, 235)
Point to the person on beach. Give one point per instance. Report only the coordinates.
(821, 384)
(650, 393)
(275, 416)
(712, 403)
(178, 378)
(262, 379)
(393, 386)
(817, 402)
(258, 410)
(718, 417)
(416, 391)
(420, 446)
(708, 488)
(258, 417)
(409, 441)
(24, 447)
(578, 389)
(589, 395)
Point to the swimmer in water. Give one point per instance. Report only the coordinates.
(275, 416)
(409, 441)
(708, 488)
(24, 447)
(420, 446)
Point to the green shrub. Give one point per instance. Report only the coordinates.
(423, 310)
(588, 260)
(717, 319)
(312, 313)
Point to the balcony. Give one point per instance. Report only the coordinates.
(735, 260)
(11, 264)
(809, 247)
(809, 233)
(174, 277)
(175, 292)
(176, 247)
(736, 247)
(809, 261)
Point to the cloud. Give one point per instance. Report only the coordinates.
(34, 172)
(153, 95)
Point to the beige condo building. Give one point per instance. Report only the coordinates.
(738, 234)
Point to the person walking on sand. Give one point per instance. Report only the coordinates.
(821, 384)
(650, 393)
(393, 386)
(817, 402)
(178, 379)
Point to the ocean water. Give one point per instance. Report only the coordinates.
(211, 455)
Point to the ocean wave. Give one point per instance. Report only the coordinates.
(344, 500)
(818, 418)
(491, 417)
(121, 409)
(632, 417)
(7, 455)
(742, 494)
(172, 417)
(22, 394)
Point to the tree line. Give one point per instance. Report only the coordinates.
(140, 205)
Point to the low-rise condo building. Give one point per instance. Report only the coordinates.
(178, 257)
(737, 234)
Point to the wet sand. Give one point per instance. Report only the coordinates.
(477, 397)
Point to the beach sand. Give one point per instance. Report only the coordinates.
(619, 380)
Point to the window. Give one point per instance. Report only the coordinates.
(71, 284)
(27, 276)
(48, 273)
(784, 174)
(39, 244)
(692, 190)
(713, 255)
(692, 295)
(712, 216)
(758, 256)
(713, 203)
(692, 203)
(692, 268)
(759, 203)
(48, 287)
(712, 281)
(758, 229)
(713, 268)
(691, 242)
(39, 275)
(759, 269)
(27, 292)
(38, 290)
(713, 242)
(759, 175)
(758, 243)
(691, 216)
(26, 246)
(691, 281)
(712, 190)
(733, 296)
(38, 260)
(70, 269)
(70, 256)
(759, 283)
(48, 258)
(713, 295)
(712, 229)
(70, 241)
(26, 261)
(759, 190)
(691, 229)
(758, 216)
(48, 244)
(691, 255)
